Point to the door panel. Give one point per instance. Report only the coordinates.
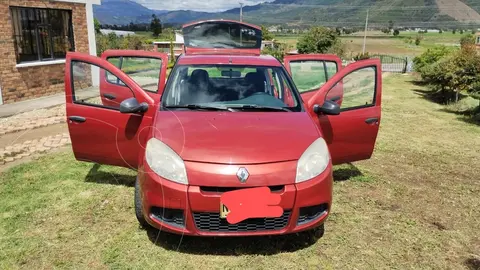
(351, 136)
(100, 133)
(311, 71)
(147, 69)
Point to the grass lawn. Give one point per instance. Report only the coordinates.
(415, 204)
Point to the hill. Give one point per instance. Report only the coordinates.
(408, 13)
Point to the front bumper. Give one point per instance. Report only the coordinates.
(194, 209)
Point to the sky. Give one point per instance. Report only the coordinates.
(197, 5)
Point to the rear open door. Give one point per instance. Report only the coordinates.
(100, 132)
(311, 71)
(147, 69)
(352, 134)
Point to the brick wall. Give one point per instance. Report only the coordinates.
(19, 84)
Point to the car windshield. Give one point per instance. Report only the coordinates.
(230, 87)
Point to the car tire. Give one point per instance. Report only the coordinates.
(138, 206)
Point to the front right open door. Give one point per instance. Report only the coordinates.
(351, 136)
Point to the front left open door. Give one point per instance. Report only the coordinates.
(311, 71)
(352, 134)
(100, 132)
(148, 69)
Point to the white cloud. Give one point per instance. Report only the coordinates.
(203, 5)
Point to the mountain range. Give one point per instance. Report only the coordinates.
(411, 13)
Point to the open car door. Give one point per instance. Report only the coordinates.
(110, 134)
(350, 128)
(147, 69)
(311, 71)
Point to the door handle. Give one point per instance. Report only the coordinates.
(109, 96)
(373, 120)
(77, 119)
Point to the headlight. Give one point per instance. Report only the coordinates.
(165, 162)
(313, 161)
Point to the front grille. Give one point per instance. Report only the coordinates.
(211, 222)
(173, 217)
(311, 213)
(227, 189)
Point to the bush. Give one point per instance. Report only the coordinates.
(418, 39)
(396, 32)
(320, 40)
(114, 42)
(467, 40)
(278, 51)
(455, 73)
(430, 57)
(361, 56)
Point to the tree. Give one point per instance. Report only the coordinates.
(266, 35)
(467, 40)
(156, 26)
(320, 40)
(440, 31)
(418, 39)
(390, 25)
(454, 31)
(461, 31)
(396, 32)
(97, 25)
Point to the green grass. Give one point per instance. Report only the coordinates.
(413, 205)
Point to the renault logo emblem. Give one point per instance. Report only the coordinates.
(242, 175)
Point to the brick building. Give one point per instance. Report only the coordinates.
(34, 38)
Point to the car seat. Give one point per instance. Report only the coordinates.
(255, 82)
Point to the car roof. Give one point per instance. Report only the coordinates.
(219, 59)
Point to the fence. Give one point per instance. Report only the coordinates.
(393, 63)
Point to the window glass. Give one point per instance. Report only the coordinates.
(144, 71)
(357, 89)
(332, 69)
(86, 93)
(229, 85)
(308, 75)
(41, 34)
(225, 35)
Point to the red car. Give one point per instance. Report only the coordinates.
(228, 119)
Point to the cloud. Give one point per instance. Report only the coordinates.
(205, 6)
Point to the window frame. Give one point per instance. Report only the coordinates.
(35, 37)
(287, 78)
(374, 101)
(72, 86)
(120, 83)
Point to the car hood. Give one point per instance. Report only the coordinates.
(236, 137)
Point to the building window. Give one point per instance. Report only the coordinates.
(41, 34)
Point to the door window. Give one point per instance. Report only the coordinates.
(143, 70)
(310, 75)
(358, 89)
(87, 92)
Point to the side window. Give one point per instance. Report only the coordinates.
(356, 90)
(143, 70)
(87, 93)
(308, 75)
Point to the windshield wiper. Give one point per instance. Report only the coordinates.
(201, 107)
(261, 108)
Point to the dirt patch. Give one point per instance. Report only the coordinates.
(28, 135)
(458, 10)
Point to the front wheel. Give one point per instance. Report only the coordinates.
(138, 206)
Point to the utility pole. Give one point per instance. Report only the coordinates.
(365, 37)
(241, 12)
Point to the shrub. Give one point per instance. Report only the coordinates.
(320, 40)
(361, 56)
(430, 57)
(278, 51)
(396, 32)
(467, 40)
(418, 39)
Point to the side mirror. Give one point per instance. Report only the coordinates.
(131, 105)
(329, 108)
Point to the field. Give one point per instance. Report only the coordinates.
(415, 205)
(380, 43)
